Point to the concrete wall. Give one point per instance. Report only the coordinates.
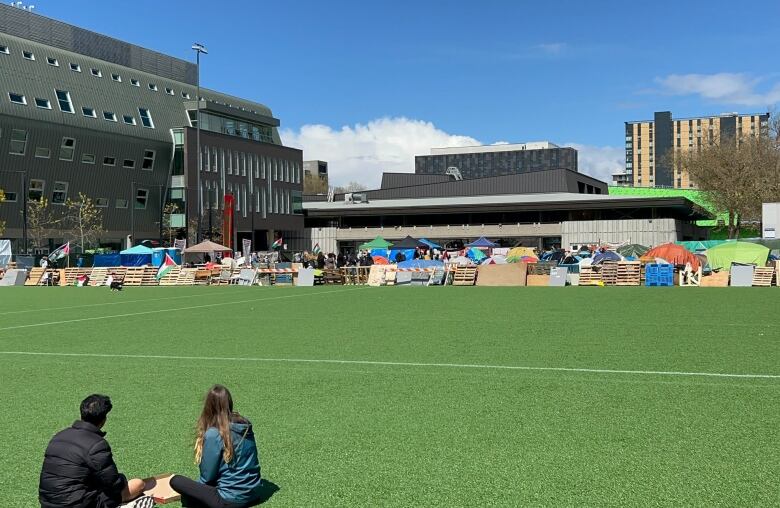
(642, 231)
(326, 237)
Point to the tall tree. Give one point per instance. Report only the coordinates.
(41, 221)
(170, 232)
(84, 220)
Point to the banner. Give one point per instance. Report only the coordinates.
(227, 222)
(247, 244)
(180, 244)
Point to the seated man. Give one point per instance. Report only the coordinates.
(79, 470)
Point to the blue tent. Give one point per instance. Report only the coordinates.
(475, 255)
(482, 242)
(136, 256)
(420, 263)
(430, 244)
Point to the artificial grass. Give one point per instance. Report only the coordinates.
(404, 435)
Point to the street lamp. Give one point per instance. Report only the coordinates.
(198, 48)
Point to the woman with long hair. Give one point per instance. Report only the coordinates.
(226, 453)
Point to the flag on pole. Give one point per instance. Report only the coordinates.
(165, 267)
(277, 243)
(316, 248)
(60, 252)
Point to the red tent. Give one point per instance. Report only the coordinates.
(673, 253)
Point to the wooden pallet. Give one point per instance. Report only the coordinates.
(186, 277)
(589, 276)
(464, 276)
(172, 277)
(609, 273)
(628, 273)
(149, 276)
(134, 276)
(35, 277)
(763, 275)
(98, 277)
(73, 274)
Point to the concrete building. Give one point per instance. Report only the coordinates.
(81, 112)
(315, 177)
(649, 141)
(472, 162)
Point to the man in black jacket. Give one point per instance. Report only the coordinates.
(78, 468)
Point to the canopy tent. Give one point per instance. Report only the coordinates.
(376, 243)
(409, 243)
(482, 243)
(420, 263)
(634, 250)
(721, 256)
(139, 255)
(430, 244)
(206, 247)
(674, 254)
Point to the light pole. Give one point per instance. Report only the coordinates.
(23, 191)
(198, 48)
(132, 215)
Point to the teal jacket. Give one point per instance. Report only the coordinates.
(239, 481)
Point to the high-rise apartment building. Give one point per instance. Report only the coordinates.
(649, 141)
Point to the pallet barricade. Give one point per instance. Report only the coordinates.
(763, 276)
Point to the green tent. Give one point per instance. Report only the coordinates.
(721, 256)
(633, 250)
(699, 245)
(376, 243)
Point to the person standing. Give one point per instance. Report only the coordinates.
(78, 467)
(226, 454)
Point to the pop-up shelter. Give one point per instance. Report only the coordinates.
(136, 256)
(377, 247)
(207, 247)
(406, 246)
(482, 243)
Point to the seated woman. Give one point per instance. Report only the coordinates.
(226, 453)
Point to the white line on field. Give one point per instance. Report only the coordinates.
(161, 311)
(395, 364)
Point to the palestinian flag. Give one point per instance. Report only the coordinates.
(277, 243)
(316, 248)
(165, 267)
(60, 252)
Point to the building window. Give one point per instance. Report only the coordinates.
(135, 82)
(10, 197)
(108, 115)
(42, 103)
(96, 72)
(4, 50)
(121, 203)
(75, 67)
(35, 190)
(141, 197)
(28, 55)
(128, 164)
(52, 61)
(128, 119)
(152, 87)
(18, 142)
(17, 98)
(146, 118)
(67, 148)
(87, 158)
(148, 162)
(101, 202)
(42, 152)
(90, 112)
(185, 95)
(170, 91)
(109, 161)
(60, 193)
(116, 77)
(63, 99)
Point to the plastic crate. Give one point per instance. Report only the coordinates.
(659, 275)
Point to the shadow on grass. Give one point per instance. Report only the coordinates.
(269, 489)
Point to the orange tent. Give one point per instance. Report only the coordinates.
(380, 260)
(675, 254)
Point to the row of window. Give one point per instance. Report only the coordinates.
(215, 159)
(36, 191)
(65, 104)
(67, 149)
(29, 55)
(261, 200)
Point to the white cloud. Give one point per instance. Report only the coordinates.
(600, 162)
(362, 152)
(725, 88)
(552, 48)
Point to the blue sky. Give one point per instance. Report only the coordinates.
(486, 71)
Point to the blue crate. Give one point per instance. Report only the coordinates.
(659, 275)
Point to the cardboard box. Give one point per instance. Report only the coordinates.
(512, 274)
(159, 488)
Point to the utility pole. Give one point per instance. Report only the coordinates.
(199, 48)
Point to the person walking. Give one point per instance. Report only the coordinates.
(226, 454)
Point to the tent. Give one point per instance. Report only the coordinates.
(420, 263)
(409, 243)
(482, 243)
(136, 256)
(772, 243)
(380, 260)
(376, 243)
(494, 260)
(634, 250)
(475, 254)
(430, 244)
(520, 252)
(606, 256)
(674, 254)
(700, 245)
(206, 247)
(721, 256)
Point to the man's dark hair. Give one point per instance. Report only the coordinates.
(95, 408)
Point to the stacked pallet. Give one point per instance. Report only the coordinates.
(134, 276)
(73, 274)
(172, 277)
(609, 273)
(35, 277)
(628, 273)
(98, 277)
(464, 276)
(763, 275)
(186, 277)
(589, 276)
(149, 277)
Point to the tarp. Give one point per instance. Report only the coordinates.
(138, 249)
(136, 256)
(420, 263)
(5, 253)
(380, 260)
(430, 244)
(772, 243)
(633, 250)
(408, 254)
(482, 242)
(674, 254)
(721, 256)
(494, 260)
(376, 243)
(475, 254)
(700, 245)
(206, 247)
(106, 260)
(408, 243)
(379, 252)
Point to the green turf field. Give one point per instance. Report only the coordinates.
(419, 412)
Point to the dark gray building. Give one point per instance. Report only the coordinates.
(81, 112)
(496, 160)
